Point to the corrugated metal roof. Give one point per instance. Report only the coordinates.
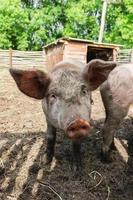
(63, 39)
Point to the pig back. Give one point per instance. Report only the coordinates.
(120, 81)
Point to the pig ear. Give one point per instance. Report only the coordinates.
(33, 83)
(97, 71)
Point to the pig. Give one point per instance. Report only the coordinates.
(66, 98)
(117, 96)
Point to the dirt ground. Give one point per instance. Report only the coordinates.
(22, 143)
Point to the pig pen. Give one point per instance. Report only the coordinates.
(22, 143)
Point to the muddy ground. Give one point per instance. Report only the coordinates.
(22, 143)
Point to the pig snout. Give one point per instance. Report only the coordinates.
(78, 129)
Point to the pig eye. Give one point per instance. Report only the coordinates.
(84, 90)
(52, 96)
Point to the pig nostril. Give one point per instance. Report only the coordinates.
(72, 129)
(78, 128)
(84, 127)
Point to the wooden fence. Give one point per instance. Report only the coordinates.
(37, 59)
(125, 56)
(22, 59)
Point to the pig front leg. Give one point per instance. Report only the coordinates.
(114, 115)
(50, 146)
(76, 156)
(108, 139)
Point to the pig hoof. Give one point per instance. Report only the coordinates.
(76, 168)
(46, 159)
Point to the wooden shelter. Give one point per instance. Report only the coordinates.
(79, 49)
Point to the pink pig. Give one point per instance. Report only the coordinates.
(117, 96)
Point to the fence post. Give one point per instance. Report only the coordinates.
(115, 53)
(10, 57)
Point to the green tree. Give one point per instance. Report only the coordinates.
(119, 24)
(30, 24)
(82, 19)
(12, 19)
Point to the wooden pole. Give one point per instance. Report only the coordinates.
(10, 57)
(102, 21)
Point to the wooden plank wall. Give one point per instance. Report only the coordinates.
(74, 50)
(54, 54)
(22, 59)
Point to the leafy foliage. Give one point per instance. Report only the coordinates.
(119, 26)
(30, 24)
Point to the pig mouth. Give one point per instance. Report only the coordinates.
(78, 129)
